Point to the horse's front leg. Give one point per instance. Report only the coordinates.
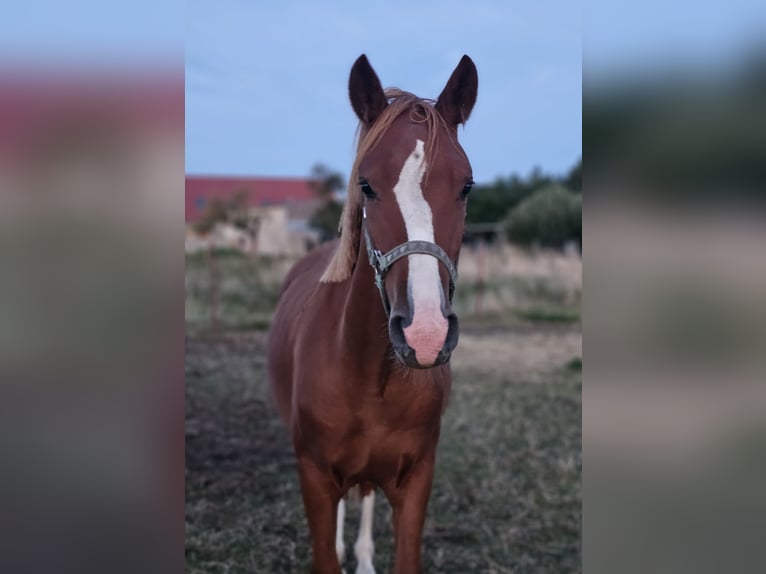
(409, 501)
(320, 500)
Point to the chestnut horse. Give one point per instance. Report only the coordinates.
(364, 329)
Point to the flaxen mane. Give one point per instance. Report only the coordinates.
(399, 102)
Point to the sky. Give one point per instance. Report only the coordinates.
(266, 82)
(51, 33)
(629, 40)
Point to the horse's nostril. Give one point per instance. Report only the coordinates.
(404, 352)
(452, 333)
(396, 331)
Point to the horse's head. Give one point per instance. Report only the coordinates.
(413, 179)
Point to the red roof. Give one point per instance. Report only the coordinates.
(37, 110)
(260, 191)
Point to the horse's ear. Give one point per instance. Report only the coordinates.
(459, 95)
(365, 91)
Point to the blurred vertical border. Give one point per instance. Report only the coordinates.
(675, 305)
(91, 287)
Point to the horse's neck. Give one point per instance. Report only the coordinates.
(364, 323)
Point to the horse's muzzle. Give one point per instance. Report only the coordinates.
(407, 354)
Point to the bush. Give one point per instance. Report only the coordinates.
(549, 217)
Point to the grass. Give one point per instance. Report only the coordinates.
(529, 299)
(548, 315)
(248, 289)
(506, 495)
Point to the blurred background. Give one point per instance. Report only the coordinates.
(674, 114)
(91, 184)
(91, 172)
(269, 145)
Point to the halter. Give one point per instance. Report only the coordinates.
(382, 262)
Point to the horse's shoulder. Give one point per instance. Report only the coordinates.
(312, 265)
(299, 287)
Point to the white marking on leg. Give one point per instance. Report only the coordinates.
(365, 547)
(428, 330)
(340, 546)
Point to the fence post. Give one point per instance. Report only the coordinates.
(213, 284)
(480, 277)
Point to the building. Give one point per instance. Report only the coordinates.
(278, 211)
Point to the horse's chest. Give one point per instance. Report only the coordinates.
(367, 434)
(379, 434)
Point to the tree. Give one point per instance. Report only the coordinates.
(215, 212)
(234, 211)
(490, 203)
(327, 184)
(237, 211)
(325, 219)
(573, 180)
(549, 217)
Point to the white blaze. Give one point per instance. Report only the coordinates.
(428, 330)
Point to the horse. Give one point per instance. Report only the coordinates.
(364, 329)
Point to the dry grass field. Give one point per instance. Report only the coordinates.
(506, 495)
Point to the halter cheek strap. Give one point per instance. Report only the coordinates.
(381, 262)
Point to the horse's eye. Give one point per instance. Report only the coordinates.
(367, 190)
(466, 190)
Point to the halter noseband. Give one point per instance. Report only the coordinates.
(382, 262)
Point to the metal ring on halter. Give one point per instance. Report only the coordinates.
(382, 262)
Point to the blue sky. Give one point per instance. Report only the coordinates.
(54, 33)
(266, 82)
(636, 39)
